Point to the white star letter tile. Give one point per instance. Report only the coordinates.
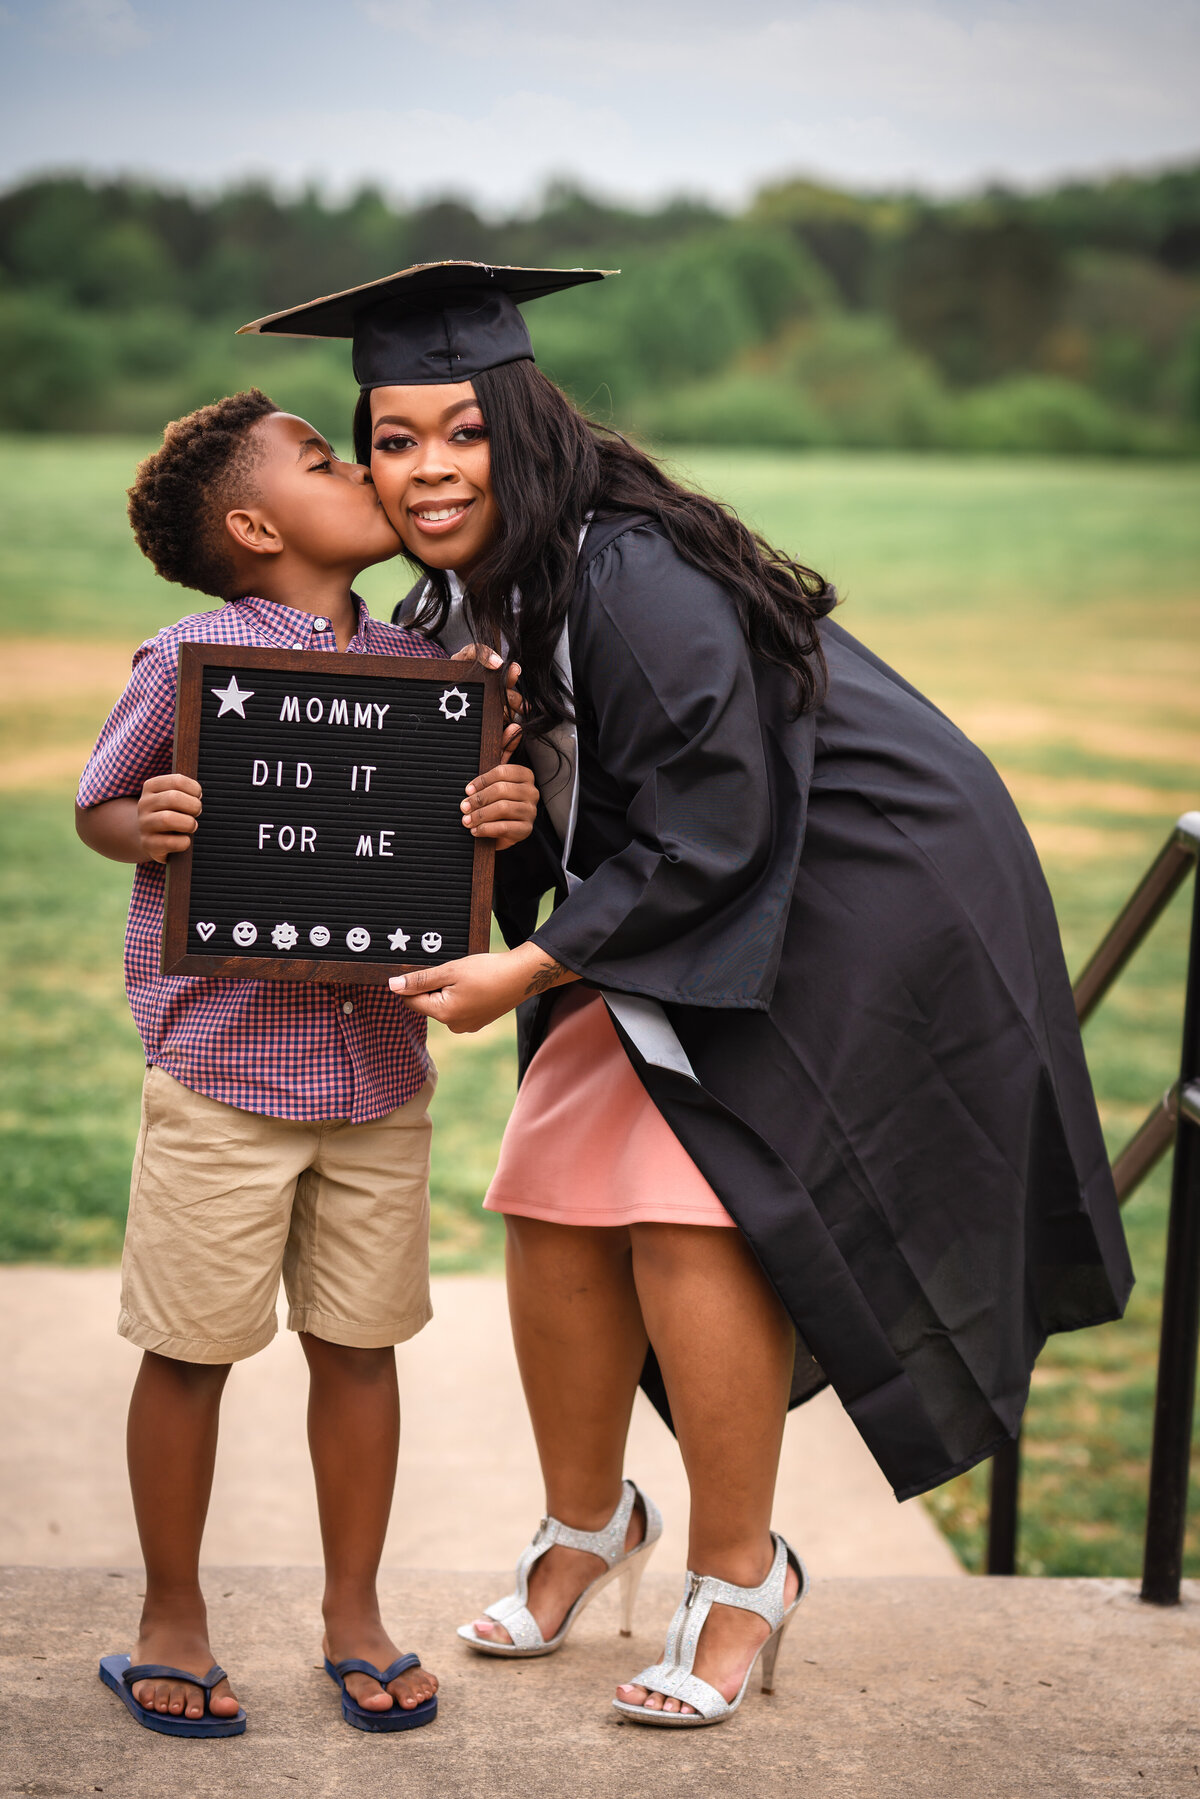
(233, 698)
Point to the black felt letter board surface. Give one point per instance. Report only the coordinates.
(331, 845)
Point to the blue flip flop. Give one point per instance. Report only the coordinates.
(116, 1673)
(398, 1718)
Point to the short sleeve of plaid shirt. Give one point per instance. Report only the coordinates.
(303, 1051)
(135, 742)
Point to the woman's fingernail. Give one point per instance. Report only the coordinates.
(470, 786)
(397, 983)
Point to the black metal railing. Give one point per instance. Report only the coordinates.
(1175, 1120)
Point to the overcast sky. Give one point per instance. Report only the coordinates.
(635, 97)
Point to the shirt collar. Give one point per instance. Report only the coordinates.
(289, 629)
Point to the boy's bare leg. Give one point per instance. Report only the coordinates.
(354, 1437)
(580, 1344)
(172, 1444)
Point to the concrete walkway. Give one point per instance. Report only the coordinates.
(468, 1496)
(913, 1684)
(887, 1689)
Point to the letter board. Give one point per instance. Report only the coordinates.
(331, 845)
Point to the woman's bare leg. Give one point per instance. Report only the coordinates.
(726, 1347)
(580, 1345)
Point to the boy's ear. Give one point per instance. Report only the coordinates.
(253, 531)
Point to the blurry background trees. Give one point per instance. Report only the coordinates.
(1062, 321)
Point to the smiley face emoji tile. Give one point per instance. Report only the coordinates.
(244, 934)
(358, 940)
(319, 936)
(431, 942)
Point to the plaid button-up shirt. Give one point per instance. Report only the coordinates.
(303, 1050)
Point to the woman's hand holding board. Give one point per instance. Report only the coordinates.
(502, 803)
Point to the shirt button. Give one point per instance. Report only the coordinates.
(320, 624)
(298, 646)
(347, 1005)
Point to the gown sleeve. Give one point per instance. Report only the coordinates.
(694, 782)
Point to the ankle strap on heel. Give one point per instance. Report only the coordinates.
(608, 1543)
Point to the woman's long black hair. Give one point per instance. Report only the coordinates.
(550, 467)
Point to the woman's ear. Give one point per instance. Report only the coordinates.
(254, 532)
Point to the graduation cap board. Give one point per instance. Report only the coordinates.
(331, 845)
(430, 325)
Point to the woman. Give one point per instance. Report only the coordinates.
(803, 1096)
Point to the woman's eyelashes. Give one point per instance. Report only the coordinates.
(473, 432)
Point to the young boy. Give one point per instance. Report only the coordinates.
(284, 1128)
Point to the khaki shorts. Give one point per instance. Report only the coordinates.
(224, 1201)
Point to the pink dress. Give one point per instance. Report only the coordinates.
(586, 1144)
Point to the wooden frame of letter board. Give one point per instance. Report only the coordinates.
(194, 658)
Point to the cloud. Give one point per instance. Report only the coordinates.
(109, 26)
(635, 97)
(878, 91)
(417, 149)
(945, 58)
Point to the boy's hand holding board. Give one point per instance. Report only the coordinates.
(166, 816)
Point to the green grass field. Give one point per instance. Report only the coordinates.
(1050, 607)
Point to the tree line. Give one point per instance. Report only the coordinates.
(1066, 320)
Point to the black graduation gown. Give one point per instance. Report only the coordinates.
(846, 925)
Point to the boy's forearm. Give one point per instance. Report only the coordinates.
(112, 830)
(148, 829)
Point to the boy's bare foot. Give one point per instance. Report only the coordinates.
(729, 1638)
(179, 1645)
(366, 1640)
(558, 1578)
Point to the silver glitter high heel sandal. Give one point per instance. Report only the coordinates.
(673, 1676)
(609, 1544)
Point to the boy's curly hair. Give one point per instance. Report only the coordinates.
(178, 502)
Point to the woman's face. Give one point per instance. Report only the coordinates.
(431, 465)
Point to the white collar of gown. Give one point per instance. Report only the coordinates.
(555, 762)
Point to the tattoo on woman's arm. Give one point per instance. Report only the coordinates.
(544, 978)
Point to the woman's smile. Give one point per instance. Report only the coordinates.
(438, 519)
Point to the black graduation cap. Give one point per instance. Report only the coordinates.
(436, 323)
